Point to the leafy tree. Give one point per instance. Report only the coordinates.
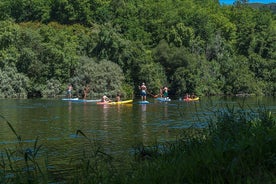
(153, 75)
(71, 11)
(264, 70)
(56, 53)
(103, 77)
(243, 18)
(8, 57)
(180, 81)
(127, 19)
(191, 46)
(8, 34)
(101, 11)
(209, 80)
(29, 10)
(128, 55)
(263, 42)
(239, 79)
(171, 57)
(13, 84)
(181, 35)
(5, 10)
(240, 2)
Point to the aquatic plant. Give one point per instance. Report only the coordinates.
(95, 166)
(21, 164)
(238, 146)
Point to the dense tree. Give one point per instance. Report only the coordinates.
(191, 46)
(102, 77)
(13, 84)
(27, 10)
(71, 11)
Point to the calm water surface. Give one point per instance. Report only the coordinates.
(117, 127)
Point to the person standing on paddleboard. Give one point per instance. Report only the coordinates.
(166, 92)
(86, 90)
(69, 91)
(143, 92)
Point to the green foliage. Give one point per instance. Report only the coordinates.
(27, 167)
(28, 10)
(153, 75)
(237, 148)
(51, 89)
(4, 9)
(68, 12)
(95, 166)
(13, 84)
(209, 80)
(240, 79)
(8, 34)
(180, 35)
(180, 80)
(103, 77)
(43, 53)
(149, 40)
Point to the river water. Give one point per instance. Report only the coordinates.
(117, 127)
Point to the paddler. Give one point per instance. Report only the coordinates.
(143, 91)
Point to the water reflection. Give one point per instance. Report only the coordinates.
(69, 113)
(118, 127)
(165, 116)
(105, 112)
(143, 113)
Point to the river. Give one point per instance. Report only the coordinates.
(117, 127)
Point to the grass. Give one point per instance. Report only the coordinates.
(237, 147)
(20, 165)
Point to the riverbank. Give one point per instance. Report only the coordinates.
(237, 147)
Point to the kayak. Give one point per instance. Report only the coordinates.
(143, 102)
(121, 102)
(164, 99)
(114, 103)
(102, 102)
(80, 100)
(191, 99)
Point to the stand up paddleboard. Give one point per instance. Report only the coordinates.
(80, 100)
(143, 102)
(163, 99)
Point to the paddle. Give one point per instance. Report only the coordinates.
(154, 96)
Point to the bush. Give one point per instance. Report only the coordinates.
(13, 84)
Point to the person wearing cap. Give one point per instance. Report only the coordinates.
(105, 98)
(143, 92)
(166, 92)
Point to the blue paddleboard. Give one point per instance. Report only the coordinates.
(164, 99)
(80, 100)
(143, 102)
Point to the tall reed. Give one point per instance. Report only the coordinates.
(238, 146)
(20, 165)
